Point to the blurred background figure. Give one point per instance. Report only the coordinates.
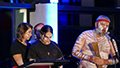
(37, 28)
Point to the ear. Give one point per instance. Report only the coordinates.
(96, 24)
(42, 36)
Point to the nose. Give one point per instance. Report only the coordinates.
(105, 26)
(30, 34)
(47, 39)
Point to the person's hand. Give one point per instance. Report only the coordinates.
(60, 66)
(97, 60)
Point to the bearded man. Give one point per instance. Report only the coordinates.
(93, 47)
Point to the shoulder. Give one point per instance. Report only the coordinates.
(32, 41)
(107, 36)
(35, 44)
(54, 43)
(15, 48)
(87, 32)
(15, 43)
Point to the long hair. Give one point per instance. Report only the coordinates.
(21, 29)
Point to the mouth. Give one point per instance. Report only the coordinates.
(104, 31)
(47, 41)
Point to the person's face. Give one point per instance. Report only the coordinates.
(102, 26)
(47, 39)
(28, 34)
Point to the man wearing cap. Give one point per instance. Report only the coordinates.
(93, 47)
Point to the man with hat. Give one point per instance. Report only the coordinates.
(93, 47)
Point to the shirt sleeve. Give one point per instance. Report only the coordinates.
(15, 49)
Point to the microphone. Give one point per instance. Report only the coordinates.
(117, 55)
(112, 36)
(42, 32)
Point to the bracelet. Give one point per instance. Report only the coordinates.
(111, 61)
(85, 57)
(82, 56)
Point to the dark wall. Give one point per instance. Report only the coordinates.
(5, 38)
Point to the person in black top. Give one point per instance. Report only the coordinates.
(19, 48)
(44, 48)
